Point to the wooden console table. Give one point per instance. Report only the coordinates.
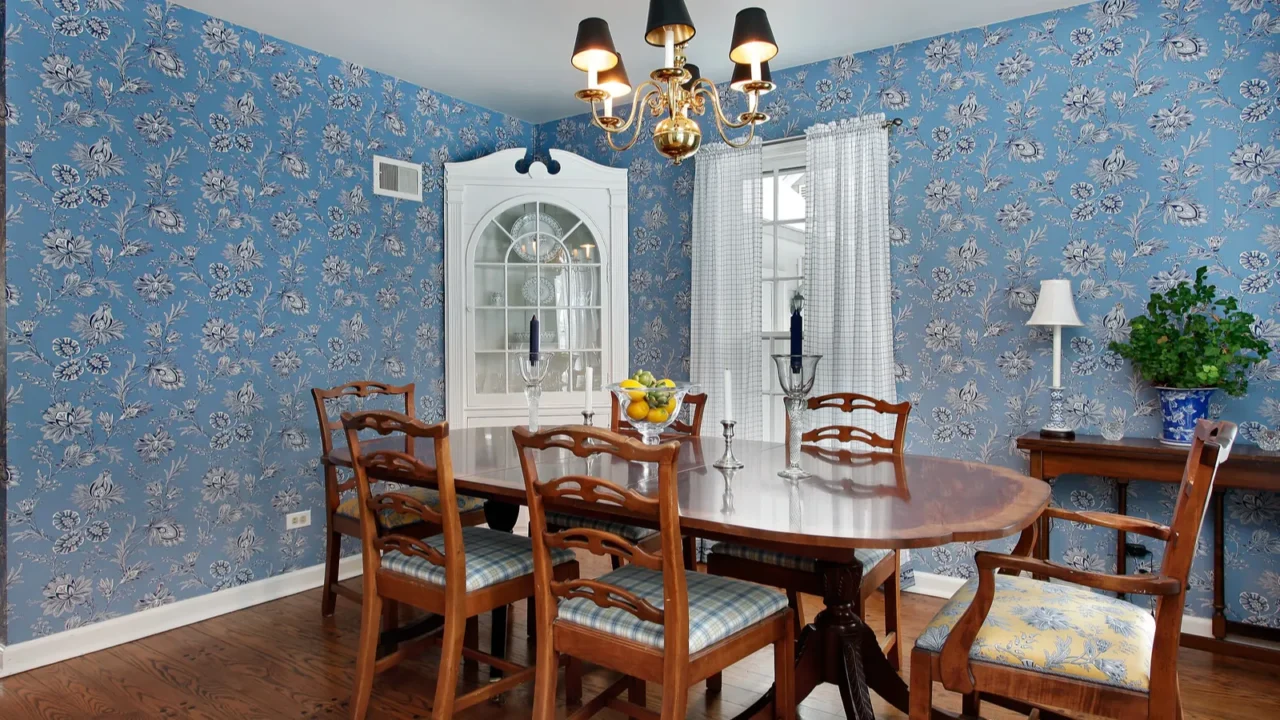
(1147, 459)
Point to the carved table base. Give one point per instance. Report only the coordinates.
(839, 648)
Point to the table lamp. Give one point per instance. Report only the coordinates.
(1056, 309)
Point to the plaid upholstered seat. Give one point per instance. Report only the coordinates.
(565, 521)
(868, 558)
(493, 556)
(718, 607)
(391, 519)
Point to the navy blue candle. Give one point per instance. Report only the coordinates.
(535, 340)
(797, 340)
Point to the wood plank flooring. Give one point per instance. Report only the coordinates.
(282, 660)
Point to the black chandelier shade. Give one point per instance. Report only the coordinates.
(752, 37)
(668, 15)
(614, 80)
(742, 76)
(694, 74)
(593, 49)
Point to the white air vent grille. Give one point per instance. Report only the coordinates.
(397, 179)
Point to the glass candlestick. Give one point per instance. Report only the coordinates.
(728, 460)
(795, 387)
(533, 374)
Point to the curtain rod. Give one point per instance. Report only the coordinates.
(887, 124)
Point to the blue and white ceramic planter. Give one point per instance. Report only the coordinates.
(1181, 409)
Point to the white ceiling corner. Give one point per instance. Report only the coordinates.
(513, 55)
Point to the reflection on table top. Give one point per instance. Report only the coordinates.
(853, 500)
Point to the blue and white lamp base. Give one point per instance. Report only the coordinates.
(1180, 410)
(1057, 427)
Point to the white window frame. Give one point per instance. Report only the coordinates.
(778, 158)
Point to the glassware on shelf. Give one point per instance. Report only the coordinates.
(1113, 430)
(661, 407)
(1268, 440)
(795, 387)
(533, 373)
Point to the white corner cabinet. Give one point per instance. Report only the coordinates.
(519, 244)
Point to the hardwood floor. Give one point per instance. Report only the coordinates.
(282, 660)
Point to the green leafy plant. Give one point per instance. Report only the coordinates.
(1191, 338)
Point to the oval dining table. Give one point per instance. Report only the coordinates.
(851, 501)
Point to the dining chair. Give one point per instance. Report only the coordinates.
(798, 574)
(1025, 642)
(342, 517)
(652, 620)
(646, 537)
(459, 573)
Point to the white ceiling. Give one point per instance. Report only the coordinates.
(513, 55)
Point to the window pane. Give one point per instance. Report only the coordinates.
(491, 373)
(782, 301)
(767, 193)
(790, 200)
(766, 306)
(790, 239)
(491, 329)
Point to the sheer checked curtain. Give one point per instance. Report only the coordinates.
(726, 283)
(848, 317)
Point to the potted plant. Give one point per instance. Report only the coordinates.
(1189, 344)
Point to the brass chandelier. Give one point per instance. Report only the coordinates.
(675, 89)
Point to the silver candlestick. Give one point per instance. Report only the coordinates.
(588, 418)
(795, 374)
(726, 498)
(533, 373)
(728, 460)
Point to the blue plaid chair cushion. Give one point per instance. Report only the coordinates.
(565, 521)
(392, 519)
(492, 557)
(868, 558)
(718, 607)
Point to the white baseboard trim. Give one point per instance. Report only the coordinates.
(61, 646)
(944, 586)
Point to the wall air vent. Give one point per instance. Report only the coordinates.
(397, 179)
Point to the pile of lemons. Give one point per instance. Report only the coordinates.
(651, 399)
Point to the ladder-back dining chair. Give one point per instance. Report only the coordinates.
(652, 619)
(696, 404)
(459, 573)
(1026, 643)
(798, 574)
(342, 516)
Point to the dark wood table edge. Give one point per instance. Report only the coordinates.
(1240, 472)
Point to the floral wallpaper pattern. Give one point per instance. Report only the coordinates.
(1120, 144)
(193, 243)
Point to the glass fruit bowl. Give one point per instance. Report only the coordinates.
(650, 409)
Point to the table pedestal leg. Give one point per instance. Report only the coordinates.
(839, 648)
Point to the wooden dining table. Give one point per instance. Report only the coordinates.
(852, 501)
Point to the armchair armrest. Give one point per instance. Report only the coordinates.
(1138, 526)
(957, 675)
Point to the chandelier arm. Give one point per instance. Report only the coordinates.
(751, 133)
(636, 102)
(708, 88)
(608, 136)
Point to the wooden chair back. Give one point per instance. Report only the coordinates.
(696, 402)
(407, 467)
(360, 389)
(581, 490)
(852, 402)
(1209, 449)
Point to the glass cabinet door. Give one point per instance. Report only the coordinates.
(539, 259)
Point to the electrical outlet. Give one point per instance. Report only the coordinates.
(296, 520)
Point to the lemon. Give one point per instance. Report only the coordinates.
(667, 382)
(656, 415)
(638, 409)
(629, 384)
(671, 405)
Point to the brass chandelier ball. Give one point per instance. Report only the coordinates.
(677, 137)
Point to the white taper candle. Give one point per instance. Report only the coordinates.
(591, 378)
(728, 395)
(669, 49)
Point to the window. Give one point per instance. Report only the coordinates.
(782, 266)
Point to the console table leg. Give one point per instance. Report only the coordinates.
(1122, 508)
(1219, 567)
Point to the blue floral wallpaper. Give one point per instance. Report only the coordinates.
(1120, 144)
(193, 243)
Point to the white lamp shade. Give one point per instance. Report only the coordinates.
(1055, 306)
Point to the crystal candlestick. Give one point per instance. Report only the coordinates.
(795, 388)
(533, 374)
(728, 460)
